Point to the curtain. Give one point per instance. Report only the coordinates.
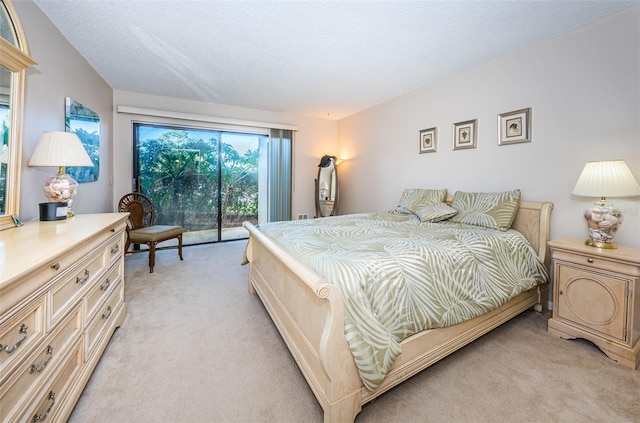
(280, 158)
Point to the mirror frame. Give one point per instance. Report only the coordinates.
(16, 59)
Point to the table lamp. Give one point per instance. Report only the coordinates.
(605, 179)
(60, 149)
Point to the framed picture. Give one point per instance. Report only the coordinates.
(86, 124)
(464, 134)
(514, 127)
(429, 140)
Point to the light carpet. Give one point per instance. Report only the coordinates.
(197, 347)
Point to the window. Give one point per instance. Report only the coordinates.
(205, 180)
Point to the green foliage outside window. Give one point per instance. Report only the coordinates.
(180, 175)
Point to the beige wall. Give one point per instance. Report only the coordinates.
(314, 138)
(584, 89)
(60, 72)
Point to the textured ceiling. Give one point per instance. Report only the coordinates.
(318, 58)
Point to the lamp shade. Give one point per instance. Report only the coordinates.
(57, 148)
(606, 179)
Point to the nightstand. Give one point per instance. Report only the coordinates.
(596, 296)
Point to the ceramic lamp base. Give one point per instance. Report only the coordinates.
(603, 221)
(61, 188)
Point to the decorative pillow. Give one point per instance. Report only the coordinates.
(413, 200)
(436, 212)
(494, 210)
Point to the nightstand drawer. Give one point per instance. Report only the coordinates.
(597, 302)
(597, 261)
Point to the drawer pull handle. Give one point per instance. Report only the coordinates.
(589, 260)
(80, 280)
(115, 249)
(41, 417)
(113, 229)
(105, 286)
(23, 330)
(36, 368)
(108, 313)
(55, 266)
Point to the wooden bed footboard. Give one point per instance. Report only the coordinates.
(308, 312)
(309, 315)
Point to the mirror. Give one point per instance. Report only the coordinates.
(327, 187)
(13, 62)
(5, 101)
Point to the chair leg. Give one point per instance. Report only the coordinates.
(152, 256)
(180, 246)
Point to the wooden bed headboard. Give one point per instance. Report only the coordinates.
(533, 221)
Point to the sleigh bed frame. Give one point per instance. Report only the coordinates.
(308, 312)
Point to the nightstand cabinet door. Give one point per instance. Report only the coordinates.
(598, 302)
(596, 296)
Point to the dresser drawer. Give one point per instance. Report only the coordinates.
(103, 320)
(64, 294)
(23, 382)
(49, 401)
(100, 291)
(20, 333)
(35, 280)
(115, 248)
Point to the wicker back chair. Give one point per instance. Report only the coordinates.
(140, 227)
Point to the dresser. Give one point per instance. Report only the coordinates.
(61, 299)
(596, 296)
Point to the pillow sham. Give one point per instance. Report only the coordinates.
(436, 212)
(495, 210)
(415, 199)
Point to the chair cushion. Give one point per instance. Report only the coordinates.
(155, 233)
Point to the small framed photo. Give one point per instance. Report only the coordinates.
(429, 140)
(464, 134)
(514, 127)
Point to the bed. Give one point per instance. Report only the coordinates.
(309, 311)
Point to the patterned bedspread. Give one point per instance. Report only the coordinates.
(399, 276)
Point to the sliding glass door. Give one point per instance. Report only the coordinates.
(204, 180)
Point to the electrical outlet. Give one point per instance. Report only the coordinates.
(303, 216)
